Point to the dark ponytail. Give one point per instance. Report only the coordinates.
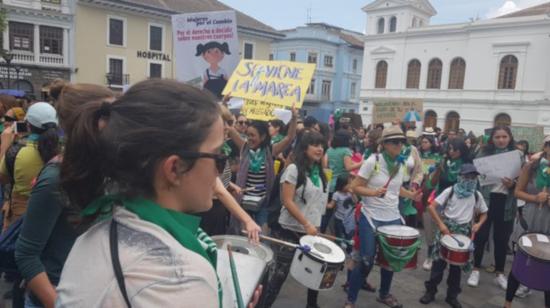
(48, 141)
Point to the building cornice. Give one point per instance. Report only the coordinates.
(21, 11)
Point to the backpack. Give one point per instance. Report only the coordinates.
(442, 206)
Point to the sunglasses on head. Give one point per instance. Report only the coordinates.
(9, 119)
(219, 159)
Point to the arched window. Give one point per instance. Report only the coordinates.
(452, 121)
(381, 74)
(24, 85)
(393, 24)
(503, 119)
(430, 119)
(381, 24)
(456, 75)
(508, 72)
(413, 74)
(434, 74)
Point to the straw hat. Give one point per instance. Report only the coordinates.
(391, 133)
(428, 131)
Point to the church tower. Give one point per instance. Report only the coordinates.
(393, 16)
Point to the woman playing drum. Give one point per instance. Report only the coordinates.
(532, 187)
(379, 182)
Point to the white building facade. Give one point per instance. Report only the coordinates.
(469, 75)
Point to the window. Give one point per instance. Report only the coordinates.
(353, 90)
(325, 90)
(312, 57)
(116, 69)
(456, 76)
(508, 72)
(293, 56)
(116, 31)
(328, 61)
(413, 74)
(434, 74)
(393, 24)
(155, 38)
(452, 121)
(155, 70)
(381, 23)
(51, 40)
(381, 74)
(430, 119)
(354, 65)
(270, 57)
(248, 50)
(21, 36)
(311, 89)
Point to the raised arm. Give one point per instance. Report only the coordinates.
(280, 146)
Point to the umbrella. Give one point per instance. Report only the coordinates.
(411, 116)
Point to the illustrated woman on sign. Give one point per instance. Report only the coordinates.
(215, 77)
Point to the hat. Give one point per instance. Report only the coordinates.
(391, 133)
(546, 139)
(468, 169)
(411, 134)
(41, 113)
(428, 131)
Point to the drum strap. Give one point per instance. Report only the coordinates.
(113, 245)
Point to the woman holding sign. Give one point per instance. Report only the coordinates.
(532, 187)
(502, 210)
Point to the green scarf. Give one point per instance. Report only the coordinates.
(257, 160)
(226, 149)
(277, 138)
(183, 227)
(390, 162)
(314, 175)
(406, 151)
(453, 168)
(542, 178)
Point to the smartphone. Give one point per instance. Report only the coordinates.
(20, 127)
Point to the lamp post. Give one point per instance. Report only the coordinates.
(17, 69)
(7, 56)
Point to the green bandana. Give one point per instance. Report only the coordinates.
(257, 160)
(542, 178)
(406, 151)
(314, 175)
(453, 168)
(277, 138)
(391, 162)
(183, 227)
(226, 149)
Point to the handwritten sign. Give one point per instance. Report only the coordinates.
(495, 167)
(388, 111)
(278, 82)
(533, 134)
(257, 110)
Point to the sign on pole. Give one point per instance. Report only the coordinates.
(387, 111)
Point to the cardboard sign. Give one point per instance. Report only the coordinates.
(533, 134)
(495, 167)
(257, 110)
(279, 82)
(387, 111)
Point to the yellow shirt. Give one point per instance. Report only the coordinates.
(27, 166)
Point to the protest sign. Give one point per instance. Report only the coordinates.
(495, 167)
(262, 111)
(533, 134)
(278, 82)
(387, 111)
(206, 48)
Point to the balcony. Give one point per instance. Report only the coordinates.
(43, 59)
(117, 80)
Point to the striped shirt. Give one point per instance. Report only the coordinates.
(256, 183)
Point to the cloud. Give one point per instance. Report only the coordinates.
(510, 6)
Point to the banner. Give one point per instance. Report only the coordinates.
(495, 167)
(279, 82)
(533, 134)
(388, 111)
(206, 48)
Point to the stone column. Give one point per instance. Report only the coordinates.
(36, 43)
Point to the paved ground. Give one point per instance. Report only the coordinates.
(407, 286)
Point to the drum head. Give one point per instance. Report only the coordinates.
(450, 242)
(240, 244)
(399, 231)
(536, 245)
(330, 252)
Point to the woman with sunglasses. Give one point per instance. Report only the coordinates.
(502, 210)
(156, 174)
(532, 187)
(379, 182)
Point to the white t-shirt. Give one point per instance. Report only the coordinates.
(381, 209)
(344, 204)
(314, 207)
(461, 210)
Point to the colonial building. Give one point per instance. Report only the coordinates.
(119, 43)
(338, 54)
(470, 75)
(36, 44)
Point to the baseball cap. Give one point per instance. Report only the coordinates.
(468, 169)
(41, 113)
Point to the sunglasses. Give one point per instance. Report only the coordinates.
(229, 122)
(9, 119)
(243, 122)
(395, 141)
(219, 159)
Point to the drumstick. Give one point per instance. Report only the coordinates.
(459, 242)
(281, 242)
(545, 189)
(337, 239)
(236, 285)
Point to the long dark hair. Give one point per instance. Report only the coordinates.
(303, 163)
(263, 131)
(48, 140)
(342, 138)
(431, 139)
(490, 148)
(458, 144)
(154, 119)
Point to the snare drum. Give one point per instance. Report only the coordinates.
(252, 262)
(531, 264)
(397, 236)
(318, 268)
(451, 252)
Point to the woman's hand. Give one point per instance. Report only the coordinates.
(476, 227)
(380, 192)
(311, 229)
(416, 195)
(256, 297)
(444, 230)
(294, 111)
(509, 183)
(542, 197)
(253, 231)
(7, 136)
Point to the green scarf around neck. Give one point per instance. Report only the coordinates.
(277, 138)
(257, 160)
(542, 178)
(314, 175)
(392, 163)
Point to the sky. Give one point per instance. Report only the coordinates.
(286, 14)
